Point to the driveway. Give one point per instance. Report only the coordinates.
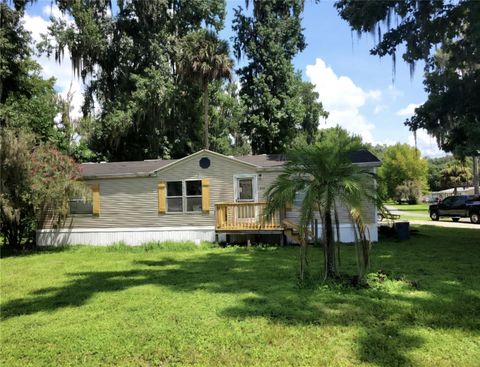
(463, 223)
(423, 219)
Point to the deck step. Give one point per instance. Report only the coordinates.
(291, 231)
(292, 237)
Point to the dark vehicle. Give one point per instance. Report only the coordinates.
(456, 207)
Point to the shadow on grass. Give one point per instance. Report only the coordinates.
(6, 251)
(387, 319)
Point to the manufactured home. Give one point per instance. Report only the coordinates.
(206, 196)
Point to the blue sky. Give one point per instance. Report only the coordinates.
(355, 87)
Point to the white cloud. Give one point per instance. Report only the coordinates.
(379, 108)
(342, 98)
(36, 25)
(394, 93)
(63, 73)
(426, 144)
(374, 94)
(386, 141)
(408, 111)
(52, 10)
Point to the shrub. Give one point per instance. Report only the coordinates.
(408, 191)
(36, 182)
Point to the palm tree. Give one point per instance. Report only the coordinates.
(205, 58)
(328, 181)
(456, 174)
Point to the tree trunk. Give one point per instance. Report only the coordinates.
(475, 175)
(330, 262)
(205, 115)
(303, 257)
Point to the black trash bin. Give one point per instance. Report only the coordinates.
(402, 229)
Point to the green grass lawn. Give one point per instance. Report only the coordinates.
(414, 208)
(243, 307)
(418, 211)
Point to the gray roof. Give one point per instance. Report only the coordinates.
(264, 160)
(143, 168)
(363, 156)
(122, 168)
(275, 160)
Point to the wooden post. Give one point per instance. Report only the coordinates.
(316, 230)
(95, 199)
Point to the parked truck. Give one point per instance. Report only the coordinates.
(456, 207)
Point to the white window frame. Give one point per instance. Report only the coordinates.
(184, 196)
(254, 178)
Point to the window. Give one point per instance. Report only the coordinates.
(184, 196)
(459, 200)
(447, 200)
(174, 197)
(80, 206)
(245, 189)
(194, 196)
(299, 197)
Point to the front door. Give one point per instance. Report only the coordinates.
(245, 196)
(245, 189)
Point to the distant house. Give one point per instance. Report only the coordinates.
(439, 195)
(205, 196)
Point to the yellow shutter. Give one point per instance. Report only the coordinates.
(95, 199)
(162, 207)
(205, 196)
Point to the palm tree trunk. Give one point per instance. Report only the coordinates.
(475, 175)
(337, 242)
(330, 261)
(205, 115)
(303, 257)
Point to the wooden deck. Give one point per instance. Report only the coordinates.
(245, 217)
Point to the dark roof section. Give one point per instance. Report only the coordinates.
(363, 156)
(276, 160)
(122, 168)
(143, 168)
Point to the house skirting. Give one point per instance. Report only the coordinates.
(130, 236)
(347, 233)
(139, 236)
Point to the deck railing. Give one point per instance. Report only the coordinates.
(245, 216)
